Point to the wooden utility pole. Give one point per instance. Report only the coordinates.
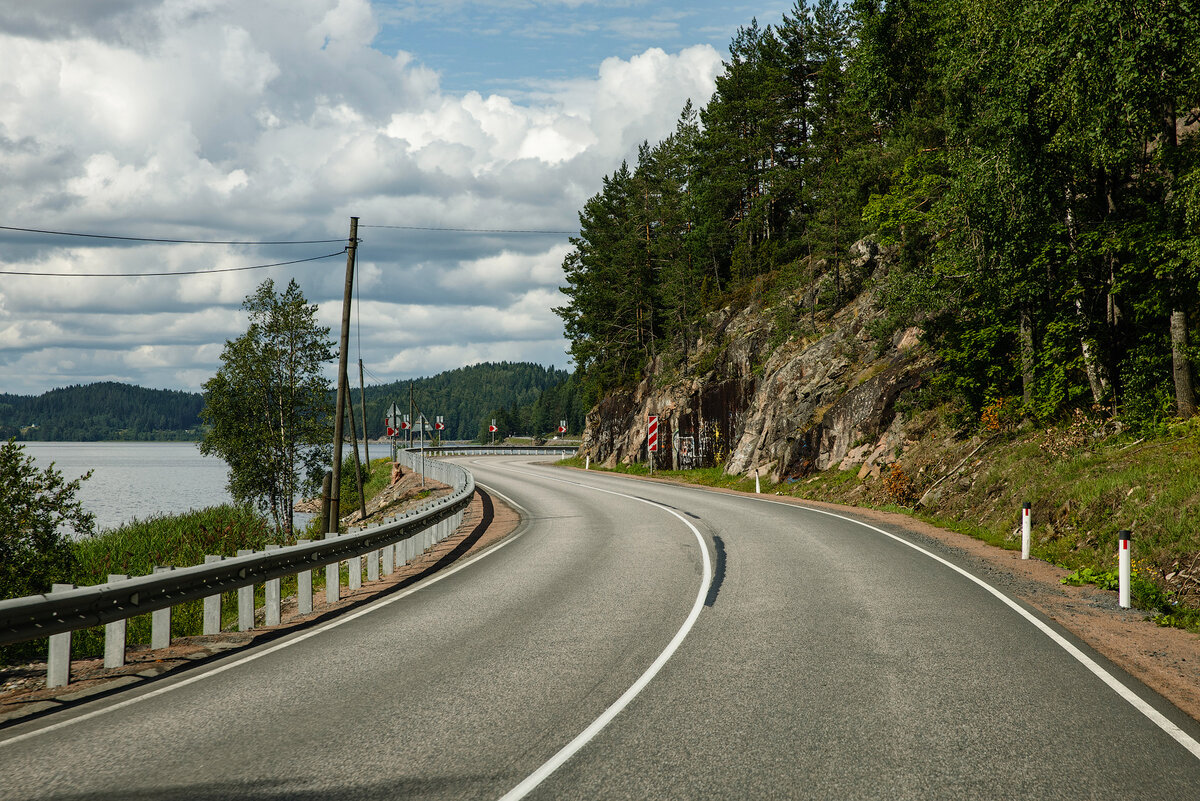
(358, 477)
(362, 404)
(342, 390)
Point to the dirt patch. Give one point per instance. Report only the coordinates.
(22, 688)
(1165, 659)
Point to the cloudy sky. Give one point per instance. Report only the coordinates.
(278, 120)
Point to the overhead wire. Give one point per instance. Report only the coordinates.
(173, 241)
(471, 230)
(179, 272)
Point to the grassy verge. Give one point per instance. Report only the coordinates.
(1084, 486)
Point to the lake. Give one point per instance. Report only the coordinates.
(136, 479)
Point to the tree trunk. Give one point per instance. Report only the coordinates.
(1185, 395)
(1026, 337)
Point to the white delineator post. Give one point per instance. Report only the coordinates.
(1025, 530)
(587, 462)
(757, 487)
(1123, 567)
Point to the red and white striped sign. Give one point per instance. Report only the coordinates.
(652, 433)
(492, 428)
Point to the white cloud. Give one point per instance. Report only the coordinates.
(214, 119)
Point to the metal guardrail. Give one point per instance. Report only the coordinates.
(499, 450)
(66, 610)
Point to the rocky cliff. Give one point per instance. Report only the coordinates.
(780, 390)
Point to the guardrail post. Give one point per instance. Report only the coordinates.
(354, 566)
(58, 654)
(114, 634)
(333, 577)
(272, 598)
(389, 560)
(373, 564)
(212, 604)
(304, 588)
(160, 621)
(245, 596)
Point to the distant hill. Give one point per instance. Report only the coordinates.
(114, 411)
(104, 411)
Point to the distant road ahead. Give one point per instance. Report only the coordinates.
(638, 641)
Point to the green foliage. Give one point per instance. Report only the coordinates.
(38, 512)
(181, 540)
(268, 407)
(1036, 167)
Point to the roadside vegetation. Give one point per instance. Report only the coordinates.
(1085, 483)
(41, 553)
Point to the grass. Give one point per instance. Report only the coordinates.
(182, 540)
(1083, 490)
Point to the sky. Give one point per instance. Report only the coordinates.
(277, 121)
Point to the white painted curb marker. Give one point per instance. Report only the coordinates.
(1025, 530)
(1123, 567)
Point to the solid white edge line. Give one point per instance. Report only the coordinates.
(569, 750)
(341, 620)
(1114, 684)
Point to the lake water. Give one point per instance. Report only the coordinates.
(136, 479)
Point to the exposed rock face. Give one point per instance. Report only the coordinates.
(819, 400)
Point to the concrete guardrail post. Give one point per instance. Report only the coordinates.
(373, 564)
(304, 588)
(333, 577)
(245, 596)
(160, 621)
(212, 604)
(115, 634)
(273, 598)
(354, 565)
(58, 654)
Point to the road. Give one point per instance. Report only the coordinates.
(640, 641)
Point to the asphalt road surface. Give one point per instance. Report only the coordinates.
(640, 641)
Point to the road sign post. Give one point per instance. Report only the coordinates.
(652, 439)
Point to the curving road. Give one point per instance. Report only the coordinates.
(640, 641)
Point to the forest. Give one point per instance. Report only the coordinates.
(526, 397)
(102, 411)
(533, 397)
(1034, 168)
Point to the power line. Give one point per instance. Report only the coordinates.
(173, 241)
(470, 230)
(182, 272)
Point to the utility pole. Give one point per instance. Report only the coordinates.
(358, 477)
(362, 404)
(411, 413)
(342, 390)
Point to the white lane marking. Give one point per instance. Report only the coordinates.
(1114, 684)
(373, 606)
(570, 749)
